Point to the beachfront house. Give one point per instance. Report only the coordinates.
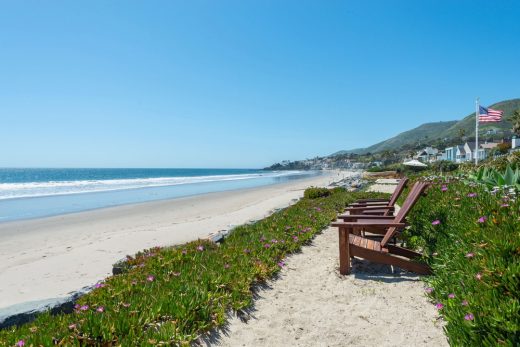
(460, 154)
(449, 153)
(466, 152)
(427, 155)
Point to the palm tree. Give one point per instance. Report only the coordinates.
(515, 120)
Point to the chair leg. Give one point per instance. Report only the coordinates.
(344, 251)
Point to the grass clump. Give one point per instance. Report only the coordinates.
(170, 296)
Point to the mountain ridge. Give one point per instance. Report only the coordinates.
(446, 131)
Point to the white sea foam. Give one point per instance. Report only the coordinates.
(36, 189)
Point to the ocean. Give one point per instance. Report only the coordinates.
(32, 193)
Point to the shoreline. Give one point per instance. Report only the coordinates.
(49, 204)
(53, 257)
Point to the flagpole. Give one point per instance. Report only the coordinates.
(476, 131)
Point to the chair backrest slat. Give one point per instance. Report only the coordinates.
(416, 191)
(398, 190)
(395, 195)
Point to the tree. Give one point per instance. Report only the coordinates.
(462, 133)
(515, 120)
(502, 148)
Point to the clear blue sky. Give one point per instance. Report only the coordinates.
(240, 83)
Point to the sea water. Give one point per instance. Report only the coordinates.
(32, 193)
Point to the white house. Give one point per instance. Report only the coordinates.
(460, 154)
(427, 155)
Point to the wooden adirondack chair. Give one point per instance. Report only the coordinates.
(378, 207)
(352, 245)
(378, 224)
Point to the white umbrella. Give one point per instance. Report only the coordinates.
(414, 162)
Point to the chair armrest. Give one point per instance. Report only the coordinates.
(372, 200)
(364, 216)
(363, 204)
(368, 224)
(370, 208)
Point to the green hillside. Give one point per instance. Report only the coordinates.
(432, 133)
(468, 123)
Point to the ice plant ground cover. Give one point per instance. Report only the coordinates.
(169, 296)
(472, 238)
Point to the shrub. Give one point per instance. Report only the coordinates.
(444, 166)
(376, 169)
(314, 193)
(475, 256)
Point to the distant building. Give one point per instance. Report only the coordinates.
(427, 155)
(466, 152)
(449, 153)
(460, 154)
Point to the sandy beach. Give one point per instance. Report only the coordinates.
(51, 257)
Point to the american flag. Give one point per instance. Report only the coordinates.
(488, 115)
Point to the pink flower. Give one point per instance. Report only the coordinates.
(428, 290)
(478, 276)
(444, 188)
(184, 251)
(20, 343)
(72, 326)
(99, 285)
(464, 303)
(504, 205)
(150, 278)
(470, 255)
(436, 222)
(100, 309)
(439, 306)
(200, 248)
(295, 238)
(469, 316)
(226, 266)
(451, 296)
(472, 195)
(83, 308)
(281, 264)
(267, 245)
(134, 283)
(482, 219)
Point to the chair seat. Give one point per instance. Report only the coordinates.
(372, 221)
(376, 212)
(362, 242)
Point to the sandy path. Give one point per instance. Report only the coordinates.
(312, 305)
(51, 257)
